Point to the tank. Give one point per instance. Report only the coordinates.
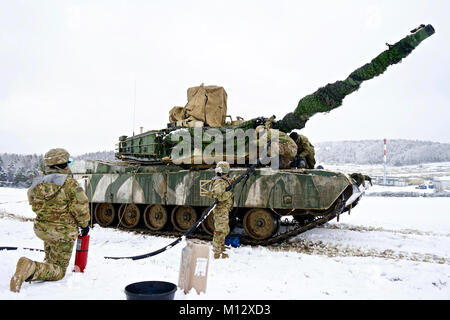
(160, 180)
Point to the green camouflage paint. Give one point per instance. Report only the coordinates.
(266, 188)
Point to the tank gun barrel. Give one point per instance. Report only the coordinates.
(330, 97)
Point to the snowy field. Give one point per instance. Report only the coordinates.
(425, 170)
(387, 248)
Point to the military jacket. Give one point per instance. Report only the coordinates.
(218, 190)
(286, 146)
(58, 200)
(304, 147)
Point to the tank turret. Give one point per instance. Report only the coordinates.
(206, 110)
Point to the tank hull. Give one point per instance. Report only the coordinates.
(296, 193)
(283, 189)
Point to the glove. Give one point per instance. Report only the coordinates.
(84, 231)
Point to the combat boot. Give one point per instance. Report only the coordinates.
(25, 269)
(224, 251)
(220, 255)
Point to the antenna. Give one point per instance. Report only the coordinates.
(134, 106)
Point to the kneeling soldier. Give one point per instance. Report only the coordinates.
(61, 206)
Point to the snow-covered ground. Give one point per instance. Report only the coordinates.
(387, 248)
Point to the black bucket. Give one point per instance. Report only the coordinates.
(150, 290)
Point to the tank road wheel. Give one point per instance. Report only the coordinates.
(129, 215)
(208, 223)
(183, 218)
(104, 214)
(260, 224)
(155, 217)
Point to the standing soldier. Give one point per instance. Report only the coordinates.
(225, 203)
(61, 206)
(305, 152)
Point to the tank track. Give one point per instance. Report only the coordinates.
(292, 232)
(291, 229)
(298, 228)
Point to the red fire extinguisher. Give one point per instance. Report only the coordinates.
(81, 254)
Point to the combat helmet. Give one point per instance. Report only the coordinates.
(222, 167)
(56, 156)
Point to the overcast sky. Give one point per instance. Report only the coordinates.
(68, 68)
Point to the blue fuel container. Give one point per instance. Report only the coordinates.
(233, 240)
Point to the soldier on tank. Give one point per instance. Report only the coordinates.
(287, 149)
(61, 207)
(221, 212)
(305, 152)
(361, 179)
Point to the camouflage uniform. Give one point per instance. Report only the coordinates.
(61, 206)
(221, 211)
(287, 149)
(360, 179)
(305, 150)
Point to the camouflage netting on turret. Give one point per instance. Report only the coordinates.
(329, 97)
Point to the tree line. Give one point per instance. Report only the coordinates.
(18, 170)
(400, 152)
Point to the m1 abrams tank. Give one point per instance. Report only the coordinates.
(160, 180)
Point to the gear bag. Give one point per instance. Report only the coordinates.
(206, 104)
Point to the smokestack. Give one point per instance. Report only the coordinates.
(142, 129)
(384, 161)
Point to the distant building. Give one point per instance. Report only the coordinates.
(441, 184)
(390, 181)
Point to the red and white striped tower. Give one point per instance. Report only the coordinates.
(384, 161)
